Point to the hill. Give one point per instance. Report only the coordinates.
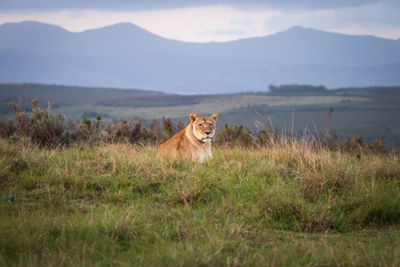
(124, 55)
(372, 112)
(77, 97)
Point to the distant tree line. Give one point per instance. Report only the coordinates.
(297, 89)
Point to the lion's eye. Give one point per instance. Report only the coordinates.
(211, 124)
(201, 125)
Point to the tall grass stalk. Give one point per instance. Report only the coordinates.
(289, 203)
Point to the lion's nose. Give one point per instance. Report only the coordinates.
(207, 133)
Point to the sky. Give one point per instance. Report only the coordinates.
(213, 20)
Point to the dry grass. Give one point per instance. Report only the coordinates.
(291, 203)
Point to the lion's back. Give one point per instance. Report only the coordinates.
(170, 147)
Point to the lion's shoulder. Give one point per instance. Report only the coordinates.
(175, 143)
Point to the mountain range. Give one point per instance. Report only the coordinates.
(127, 56)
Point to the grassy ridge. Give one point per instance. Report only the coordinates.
(115, 204)
(377, 116)
(371, 112)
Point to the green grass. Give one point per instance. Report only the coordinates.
(119, 205)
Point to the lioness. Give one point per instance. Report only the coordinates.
(194, 141)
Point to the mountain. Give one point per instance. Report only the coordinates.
(124, 55)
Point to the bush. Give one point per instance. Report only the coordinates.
(43, 127)
(236, 136)
(40, 126)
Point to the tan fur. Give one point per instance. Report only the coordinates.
(192, 142)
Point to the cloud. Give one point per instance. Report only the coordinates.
(224, 22)
(195, 24)
(137, 5)
(225, 32)
(379, 19)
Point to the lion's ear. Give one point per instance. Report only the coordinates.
(214, 117)
(193, 117)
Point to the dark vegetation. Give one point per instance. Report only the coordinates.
(159, 100)
(297, 89)
(47, 129)
(59, 95)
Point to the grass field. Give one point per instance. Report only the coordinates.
(115, 204)
(116, 104)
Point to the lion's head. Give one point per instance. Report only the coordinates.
(203, 126)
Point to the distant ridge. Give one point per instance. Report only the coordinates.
(125, 55)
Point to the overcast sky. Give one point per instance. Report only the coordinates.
(212, 20)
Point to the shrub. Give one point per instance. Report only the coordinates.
(235, 136)
(40, 126)
(43, 127)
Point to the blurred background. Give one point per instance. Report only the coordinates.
(299, 65)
